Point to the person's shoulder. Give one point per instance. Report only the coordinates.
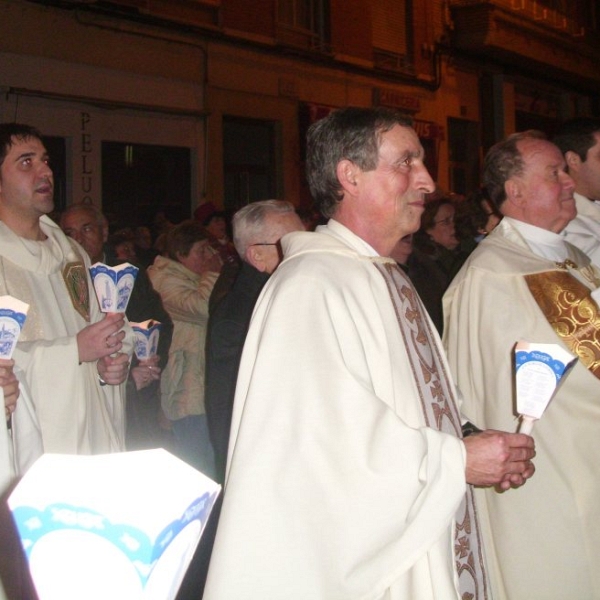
(330, 242)
(70, 247)
(321, 256)
(502, 254)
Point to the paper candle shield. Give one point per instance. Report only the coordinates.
(120, 526)
(539, 369)
(13, 313)
(147, 335)
(113, 285)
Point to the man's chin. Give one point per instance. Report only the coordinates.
(47, 206)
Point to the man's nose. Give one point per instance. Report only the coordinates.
(45, 170)
(425, 181)
(568, 181)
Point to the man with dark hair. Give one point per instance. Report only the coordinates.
(525, 282)
(72, 356)
(579, 141)
(347, 475)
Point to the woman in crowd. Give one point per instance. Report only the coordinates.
(185, 279)
(438, 255)
(475, 218)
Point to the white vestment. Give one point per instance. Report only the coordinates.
(584, 230)
(20, 446)
(75, 413)
(542, 540)
(20, 437)
(336, 488)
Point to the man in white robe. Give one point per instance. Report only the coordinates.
(579, 141)
(347, 475)
(525, 282)
(69, 352)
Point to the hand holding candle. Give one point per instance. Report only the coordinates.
(113, 287)
(102, 338)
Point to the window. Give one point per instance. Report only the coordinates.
(139, 180)
(304, 23)
(248, 161)
(392, 34)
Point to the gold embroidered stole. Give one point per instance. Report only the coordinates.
(441, 412)
(568, 306)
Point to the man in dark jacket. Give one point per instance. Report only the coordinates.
(257, 229)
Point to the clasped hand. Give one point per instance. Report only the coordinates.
(146, 372)
(500, 459)
(102, 342)
(113, 369)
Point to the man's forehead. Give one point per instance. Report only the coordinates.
(278, 222)
(535, 150)
(404, 138)
(80, 219)
(19, 145)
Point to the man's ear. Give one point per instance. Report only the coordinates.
(573, 160)
(513, 191)
(347, 173)
(254, 257)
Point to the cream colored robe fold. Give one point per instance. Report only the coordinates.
(584, 230)
(542, 540)
(335, 490)
(20, 445)
(75, 414)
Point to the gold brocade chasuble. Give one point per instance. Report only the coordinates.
(440, 412)
(569, 308)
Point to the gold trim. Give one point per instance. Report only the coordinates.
(570, 310)
(75, 278)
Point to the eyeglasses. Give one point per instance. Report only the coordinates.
(446, 221)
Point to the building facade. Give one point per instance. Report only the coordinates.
(162, 105)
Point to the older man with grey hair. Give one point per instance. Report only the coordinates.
(525, 281)
(257, 229)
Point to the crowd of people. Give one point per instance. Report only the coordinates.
(351, 386)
